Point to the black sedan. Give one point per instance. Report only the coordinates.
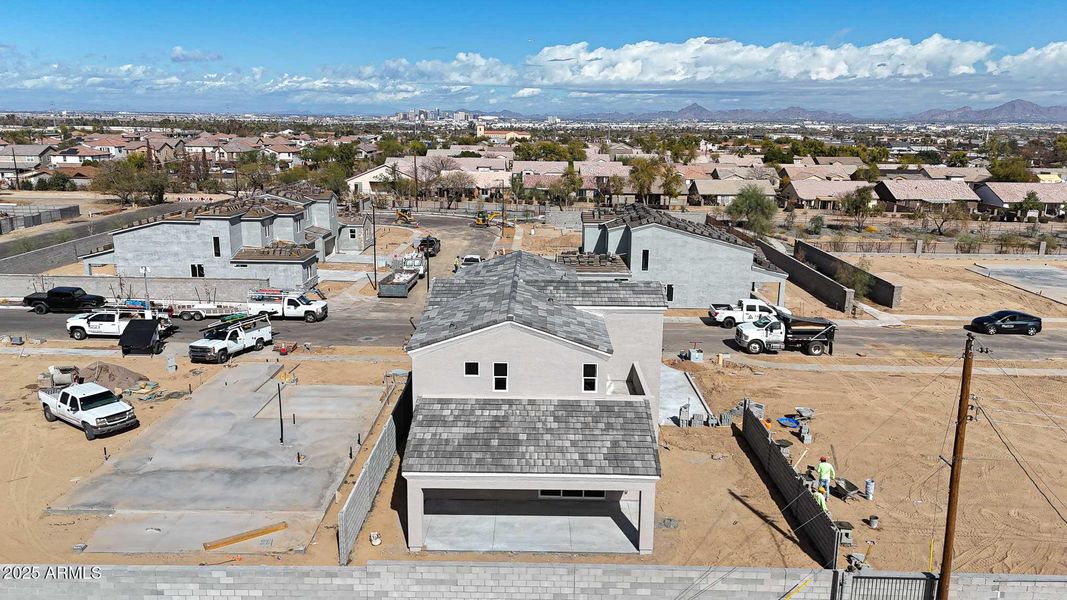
(1007, 321)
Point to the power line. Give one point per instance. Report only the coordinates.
(1027, 396)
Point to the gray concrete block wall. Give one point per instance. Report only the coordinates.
(811, 521)
(159, 288)
(50, 257)
(356, 508)
(464, 581)
(834, 294)
(881, 291)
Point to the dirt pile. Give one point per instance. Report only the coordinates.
(111, 376)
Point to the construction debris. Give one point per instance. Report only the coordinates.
(245, 536)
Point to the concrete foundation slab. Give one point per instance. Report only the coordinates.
(533, 526)
(211, 467)
(1047, 281)
(675, 391)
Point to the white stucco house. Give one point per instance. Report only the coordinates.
(533, 398)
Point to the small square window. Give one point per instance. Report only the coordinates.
(470, 369)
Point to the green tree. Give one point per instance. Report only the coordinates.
(572, 181)
(752, 206)
(390, 146)
(119, 178)
(957, 159)
(870, 173)
(671, 181)
(643, 173)
(1030, 202)
(1059, 148)
(860, 205)
(1011, 169)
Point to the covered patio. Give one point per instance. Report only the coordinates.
(531, 475)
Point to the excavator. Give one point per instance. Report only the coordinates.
(485, 219)
(404, 217)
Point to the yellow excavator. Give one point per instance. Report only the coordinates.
(485, 219)
(404, 217)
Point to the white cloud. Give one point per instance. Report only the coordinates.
(526, 93)
(179, 54)
(704, 60)
(1047, 61)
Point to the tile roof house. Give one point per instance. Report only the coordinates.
(930, 194)
(1003, 196)
(493, 436)
(721, 192)
(816, 193)
(697, 264)
(965, 174)
(824, 172)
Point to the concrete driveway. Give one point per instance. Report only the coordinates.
(1045, 280)
(215, 467)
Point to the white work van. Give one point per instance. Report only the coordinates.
(286, 304)
(744, 311)
(112, 321)
(230, 336)
(89, 406)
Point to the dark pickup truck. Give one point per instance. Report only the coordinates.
(62, 299)
(430, 246)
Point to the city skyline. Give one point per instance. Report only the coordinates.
(355, 59)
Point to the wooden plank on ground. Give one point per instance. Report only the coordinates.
(245, 536)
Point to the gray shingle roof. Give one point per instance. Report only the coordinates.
(519, 435)
(508, 299)
(636, 215)
(604, 293)
(521, 264)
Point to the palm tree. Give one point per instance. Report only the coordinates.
(643, 173)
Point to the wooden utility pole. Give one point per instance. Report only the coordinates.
(957, 468)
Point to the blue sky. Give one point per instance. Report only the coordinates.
(546, 57)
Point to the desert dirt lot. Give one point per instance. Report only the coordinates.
(548, 240)
(891, 428)
(945, 286)
(803, 303)
(45, 460)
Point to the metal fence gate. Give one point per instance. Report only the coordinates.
(872, 587)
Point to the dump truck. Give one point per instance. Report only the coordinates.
(90, 407)
(813, 335)
(230, 336)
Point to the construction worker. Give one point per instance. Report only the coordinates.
(820, 498)
(826, 472)
(455, 265)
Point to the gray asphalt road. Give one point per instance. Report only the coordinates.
(876, 341)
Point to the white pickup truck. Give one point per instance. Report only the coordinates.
(286, 304)
(744, 311)
(230, 336)
(112, 321)
(89, 406)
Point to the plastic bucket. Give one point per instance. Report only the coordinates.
(873, 520)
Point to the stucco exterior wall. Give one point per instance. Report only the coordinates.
(636, 338)
(169, 248)
(702, 270)
(531, 355)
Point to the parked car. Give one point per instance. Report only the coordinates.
(89, 406)
(1007, 321)
(469, 260)
(63, 299)
(429, 246)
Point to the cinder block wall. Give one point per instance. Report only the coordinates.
(159, 288)
(813, 282)
(882, 291)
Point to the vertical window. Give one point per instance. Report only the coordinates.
(644, 260)
(196, 270)
(217, 245)
(470, 369)
(670, 292)
(500, 377)
(352, 234)
(589, 377)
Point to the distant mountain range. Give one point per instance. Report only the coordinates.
(1015, 111)
(696, 112)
